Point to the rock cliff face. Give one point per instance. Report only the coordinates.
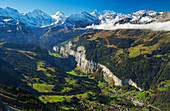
(89, 66)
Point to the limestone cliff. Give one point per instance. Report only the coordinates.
(89, 66)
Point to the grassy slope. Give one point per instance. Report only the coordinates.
(57, 35)
(31, 67)
(38, 71)
(64, 91)
(142, 55)
(130, 53)
(19, 98)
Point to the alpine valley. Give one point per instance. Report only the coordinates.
(101, 61)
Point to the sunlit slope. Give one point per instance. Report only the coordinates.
(142, 55)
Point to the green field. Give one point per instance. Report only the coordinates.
(54, 98)
(141, 95)
(40, 66)
(54, 54)
(72, 73)
(101, 83)
(70, 81)
(43, 87)
(67, 108)
(75, 74)
(130, 92)
(66, 89)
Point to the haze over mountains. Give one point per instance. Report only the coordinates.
(97, 20)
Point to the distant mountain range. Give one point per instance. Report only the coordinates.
(40, 19)
(100, 60)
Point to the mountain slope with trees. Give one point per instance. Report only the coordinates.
(141, 55)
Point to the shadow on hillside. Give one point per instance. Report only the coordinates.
(66, 64)
(10, 77)
(69, 64)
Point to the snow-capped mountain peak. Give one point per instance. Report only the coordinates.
(37, 11)
(82, 19)
(37, 14)
(38, 18)
(145, 13)
(88, 15)
(108, 12)
(59, 17)
(58, 13)
(9, 12)
(139, 13)
(85, 13)
(95, 13)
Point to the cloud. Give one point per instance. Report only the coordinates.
(156, 26)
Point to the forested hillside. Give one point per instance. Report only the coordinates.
(141, 55)
(31, 80)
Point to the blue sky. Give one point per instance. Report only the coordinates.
(76, 6)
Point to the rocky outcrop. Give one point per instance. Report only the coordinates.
(80, 57)
(89, 66)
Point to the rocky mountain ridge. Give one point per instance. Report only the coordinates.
(15, 31)
(124, 53)
(39, 19)
(46, 30)
(90, 67)
(36, 18)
